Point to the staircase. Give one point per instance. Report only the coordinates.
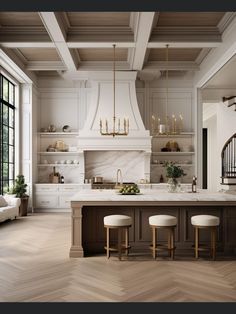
(230, 101)
(228, 162)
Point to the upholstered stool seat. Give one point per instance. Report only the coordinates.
(163, 222)
(117, 220)
(205, 222)
(121, 223)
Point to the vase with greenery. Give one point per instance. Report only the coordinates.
(173, 173)
(19, 190)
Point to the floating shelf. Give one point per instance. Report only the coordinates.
(58, 153)
(181, 165)
(173, 153)
(183, 134)
(58, 165)
(58, 133)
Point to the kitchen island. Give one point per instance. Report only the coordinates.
(90, 206)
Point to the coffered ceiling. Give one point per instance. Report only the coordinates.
(47, 42)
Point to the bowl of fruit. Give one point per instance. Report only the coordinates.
(129, 190)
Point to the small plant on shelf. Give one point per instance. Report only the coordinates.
(173, 172)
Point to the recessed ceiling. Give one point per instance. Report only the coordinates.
(20, 19)
(98, 18)
(102, 54)
(189, 18)
(39, 54)
(175, 54)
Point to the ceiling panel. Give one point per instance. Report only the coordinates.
(102, 54)
(20, 19)
(175, 54)
(189, 18)
(98, 18)
(40, 54)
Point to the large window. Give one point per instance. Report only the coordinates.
(7, 133)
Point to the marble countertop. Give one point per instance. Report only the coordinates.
(147, 195)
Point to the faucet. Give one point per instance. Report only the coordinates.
(118, 184)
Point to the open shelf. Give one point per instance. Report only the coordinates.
(58, 133)
(183, 134)
(58, 153)
(58, 165)
(173, 153)
(181, 165)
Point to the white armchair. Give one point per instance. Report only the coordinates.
(9, 210)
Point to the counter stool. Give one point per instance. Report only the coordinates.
(205, 222)
(163, 222)
(121, 223)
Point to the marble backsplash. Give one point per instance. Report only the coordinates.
(106, 163)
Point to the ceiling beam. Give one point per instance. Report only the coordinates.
(142, 35)
(30, 44)
(58, 36)
(183, 44)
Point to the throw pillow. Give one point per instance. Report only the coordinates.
(3, 202)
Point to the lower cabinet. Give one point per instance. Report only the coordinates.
(54, 196)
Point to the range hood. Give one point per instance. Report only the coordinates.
(101, 107)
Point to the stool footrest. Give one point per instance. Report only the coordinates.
(115, 248)
(162, 247)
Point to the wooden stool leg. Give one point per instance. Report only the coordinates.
(172, 243)
(213, 242)
(108, 242)
(127, 240)
(196, 241)
(154, 242)
(119, 243)
(169, 242)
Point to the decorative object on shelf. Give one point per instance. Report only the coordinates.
(62, 179)
(167, 126)
(60, 146)
(51, 128)
(173, 173)
(50, 148)
(194, 184)
(75, 161)
(172, 146)
(66, 128)
(116, 128)
(54, 177)
(44, 130)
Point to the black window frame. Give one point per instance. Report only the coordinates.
(6, 181)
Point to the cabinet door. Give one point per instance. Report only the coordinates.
(64, 200)
(46, 201)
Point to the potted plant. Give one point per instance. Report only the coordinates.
(173, 173)
(19, 189)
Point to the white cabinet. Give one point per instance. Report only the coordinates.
(183, 158)
(54, 197)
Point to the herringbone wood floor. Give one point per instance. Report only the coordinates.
(35, 266)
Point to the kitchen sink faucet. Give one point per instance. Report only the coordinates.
(118, 184)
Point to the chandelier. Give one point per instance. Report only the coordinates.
(167, 126)
(116, 126)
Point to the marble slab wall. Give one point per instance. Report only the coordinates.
(106, 163)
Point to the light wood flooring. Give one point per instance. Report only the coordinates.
(35, 267)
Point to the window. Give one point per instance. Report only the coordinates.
(7, 134)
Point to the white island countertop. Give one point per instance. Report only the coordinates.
(146, 195)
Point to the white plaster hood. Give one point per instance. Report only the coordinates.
(101, 106)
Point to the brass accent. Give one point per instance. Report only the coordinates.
(114, 131)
